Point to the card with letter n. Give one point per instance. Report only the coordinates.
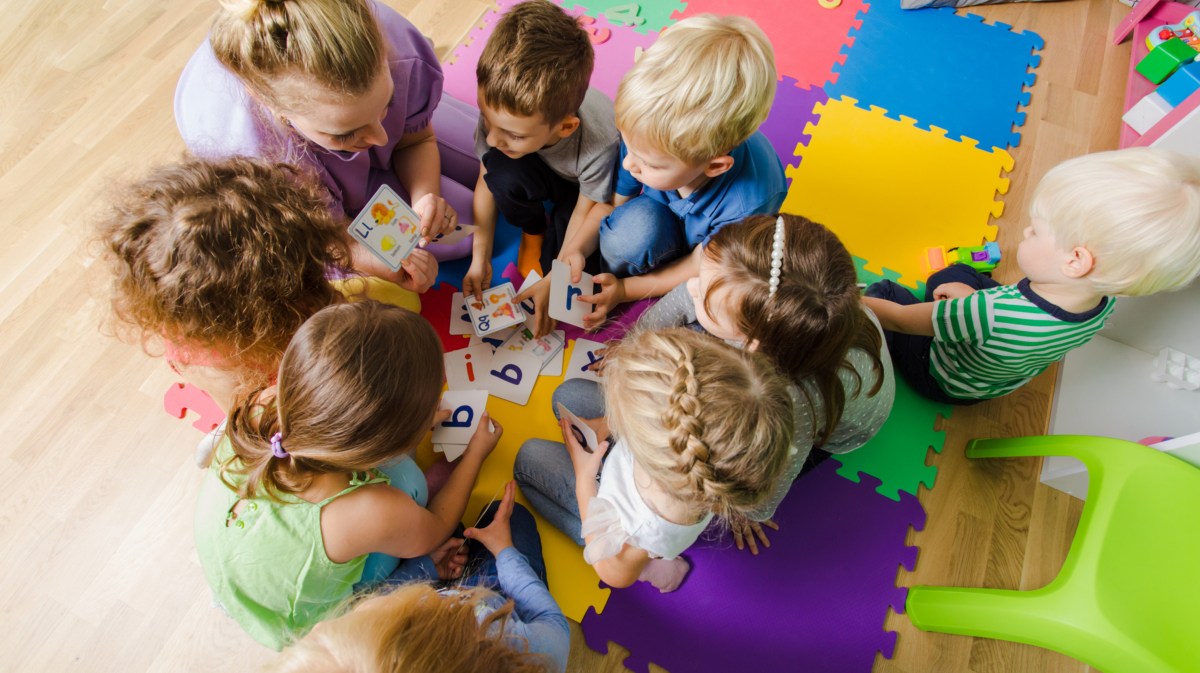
(496, 311)
(388, 227)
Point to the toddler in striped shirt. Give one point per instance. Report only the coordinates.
(1120, 223)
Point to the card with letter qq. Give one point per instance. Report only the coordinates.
(496, 311)
(388, 227)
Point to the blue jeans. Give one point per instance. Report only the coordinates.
(910, 352)
(543, 468)
(481, 565)
(640, 236)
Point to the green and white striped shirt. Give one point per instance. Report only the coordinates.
(990, 343)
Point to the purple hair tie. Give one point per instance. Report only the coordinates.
(277, 445)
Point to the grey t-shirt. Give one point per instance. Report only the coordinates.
(587, 156)
(862, 415)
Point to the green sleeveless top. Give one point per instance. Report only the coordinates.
(266, 564)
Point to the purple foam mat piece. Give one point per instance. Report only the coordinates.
(619, 321)
(791, 112)
(815, 601)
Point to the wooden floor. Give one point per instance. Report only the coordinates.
(97, 569)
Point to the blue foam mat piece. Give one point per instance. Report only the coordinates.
(941, 69)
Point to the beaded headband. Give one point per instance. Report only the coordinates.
(776, 257)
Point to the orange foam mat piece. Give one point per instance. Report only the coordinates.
(890, 190)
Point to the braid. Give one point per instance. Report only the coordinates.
(685, 424)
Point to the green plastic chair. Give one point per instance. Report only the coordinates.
(1128, 597)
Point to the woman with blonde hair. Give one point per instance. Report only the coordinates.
(347, 87)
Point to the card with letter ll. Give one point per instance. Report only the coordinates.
(496, 311)
(388, 227)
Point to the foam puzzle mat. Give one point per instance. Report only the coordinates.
(894, 127)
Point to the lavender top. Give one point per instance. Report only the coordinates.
(218, 118)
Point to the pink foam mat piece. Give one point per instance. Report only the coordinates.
(815, 600)
(616, 48)
(807, 38)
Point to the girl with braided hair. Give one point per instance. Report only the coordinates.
(786, 287)
(701, 430)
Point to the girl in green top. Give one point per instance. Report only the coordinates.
(293, 501)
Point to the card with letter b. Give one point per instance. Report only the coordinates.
(388, 227)
(466, 407)
(496, 311)
(564, 295)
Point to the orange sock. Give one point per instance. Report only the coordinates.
(530, 254)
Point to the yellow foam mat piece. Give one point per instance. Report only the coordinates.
(890, 190)
(573, 583)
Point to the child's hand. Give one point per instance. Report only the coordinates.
(611, 294)
(597, 365)
(485, 438)
(418, 271)
(437, 217)
(449, 559)
(540, 293)
(745, 531)
(587, 465)
(478, 278)
(497, 535)
(575, 260)
(953, 291)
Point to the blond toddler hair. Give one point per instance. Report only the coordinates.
(701, 89)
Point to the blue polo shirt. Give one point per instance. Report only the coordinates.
(755, 185)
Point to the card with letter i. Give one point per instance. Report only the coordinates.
(496, 311)
(388, 227)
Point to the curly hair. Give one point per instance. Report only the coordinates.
(222, 260)
(413, 628)
(710, 423)
(815, 317)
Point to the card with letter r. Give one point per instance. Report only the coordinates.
(512, 375)
(496, 311)
(466, 407)
(581, 360)
(388, 227)
(564, 295)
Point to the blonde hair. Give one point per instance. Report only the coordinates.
(701, 89)
(227, 257)
(337, 43)
(1137, 211)
(413, 628)
(358, 386)
(710, 423)
(538, 61)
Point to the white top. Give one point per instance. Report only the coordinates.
(618, 515)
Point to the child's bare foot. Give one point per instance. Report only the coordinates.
(666, 576)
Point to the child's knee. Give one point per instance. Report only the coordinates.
(640, 235)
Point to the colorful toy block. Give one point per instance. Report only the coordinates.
(1180, 85)
(982, 258)
(1184, 30)
(1165, 59)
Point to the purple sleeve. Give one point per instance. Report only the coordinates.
(215, 115)
(412, 52)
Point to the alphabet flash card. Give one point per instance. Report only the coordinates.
(388, 227)
(496, 311)
(584, 434)
(466, 408)
(564, 295)
(543, 348)
(493, 340)
(512, 375)
(529, 282)
(467, 368)
(460, 317)
(582, 359)
(460, 232)
(451, 451)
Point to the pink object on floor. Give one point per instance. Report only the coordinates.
(181, 398)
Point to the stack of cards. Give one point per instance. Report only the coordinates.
(388, 227)
(510, 371)
(452, 435)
